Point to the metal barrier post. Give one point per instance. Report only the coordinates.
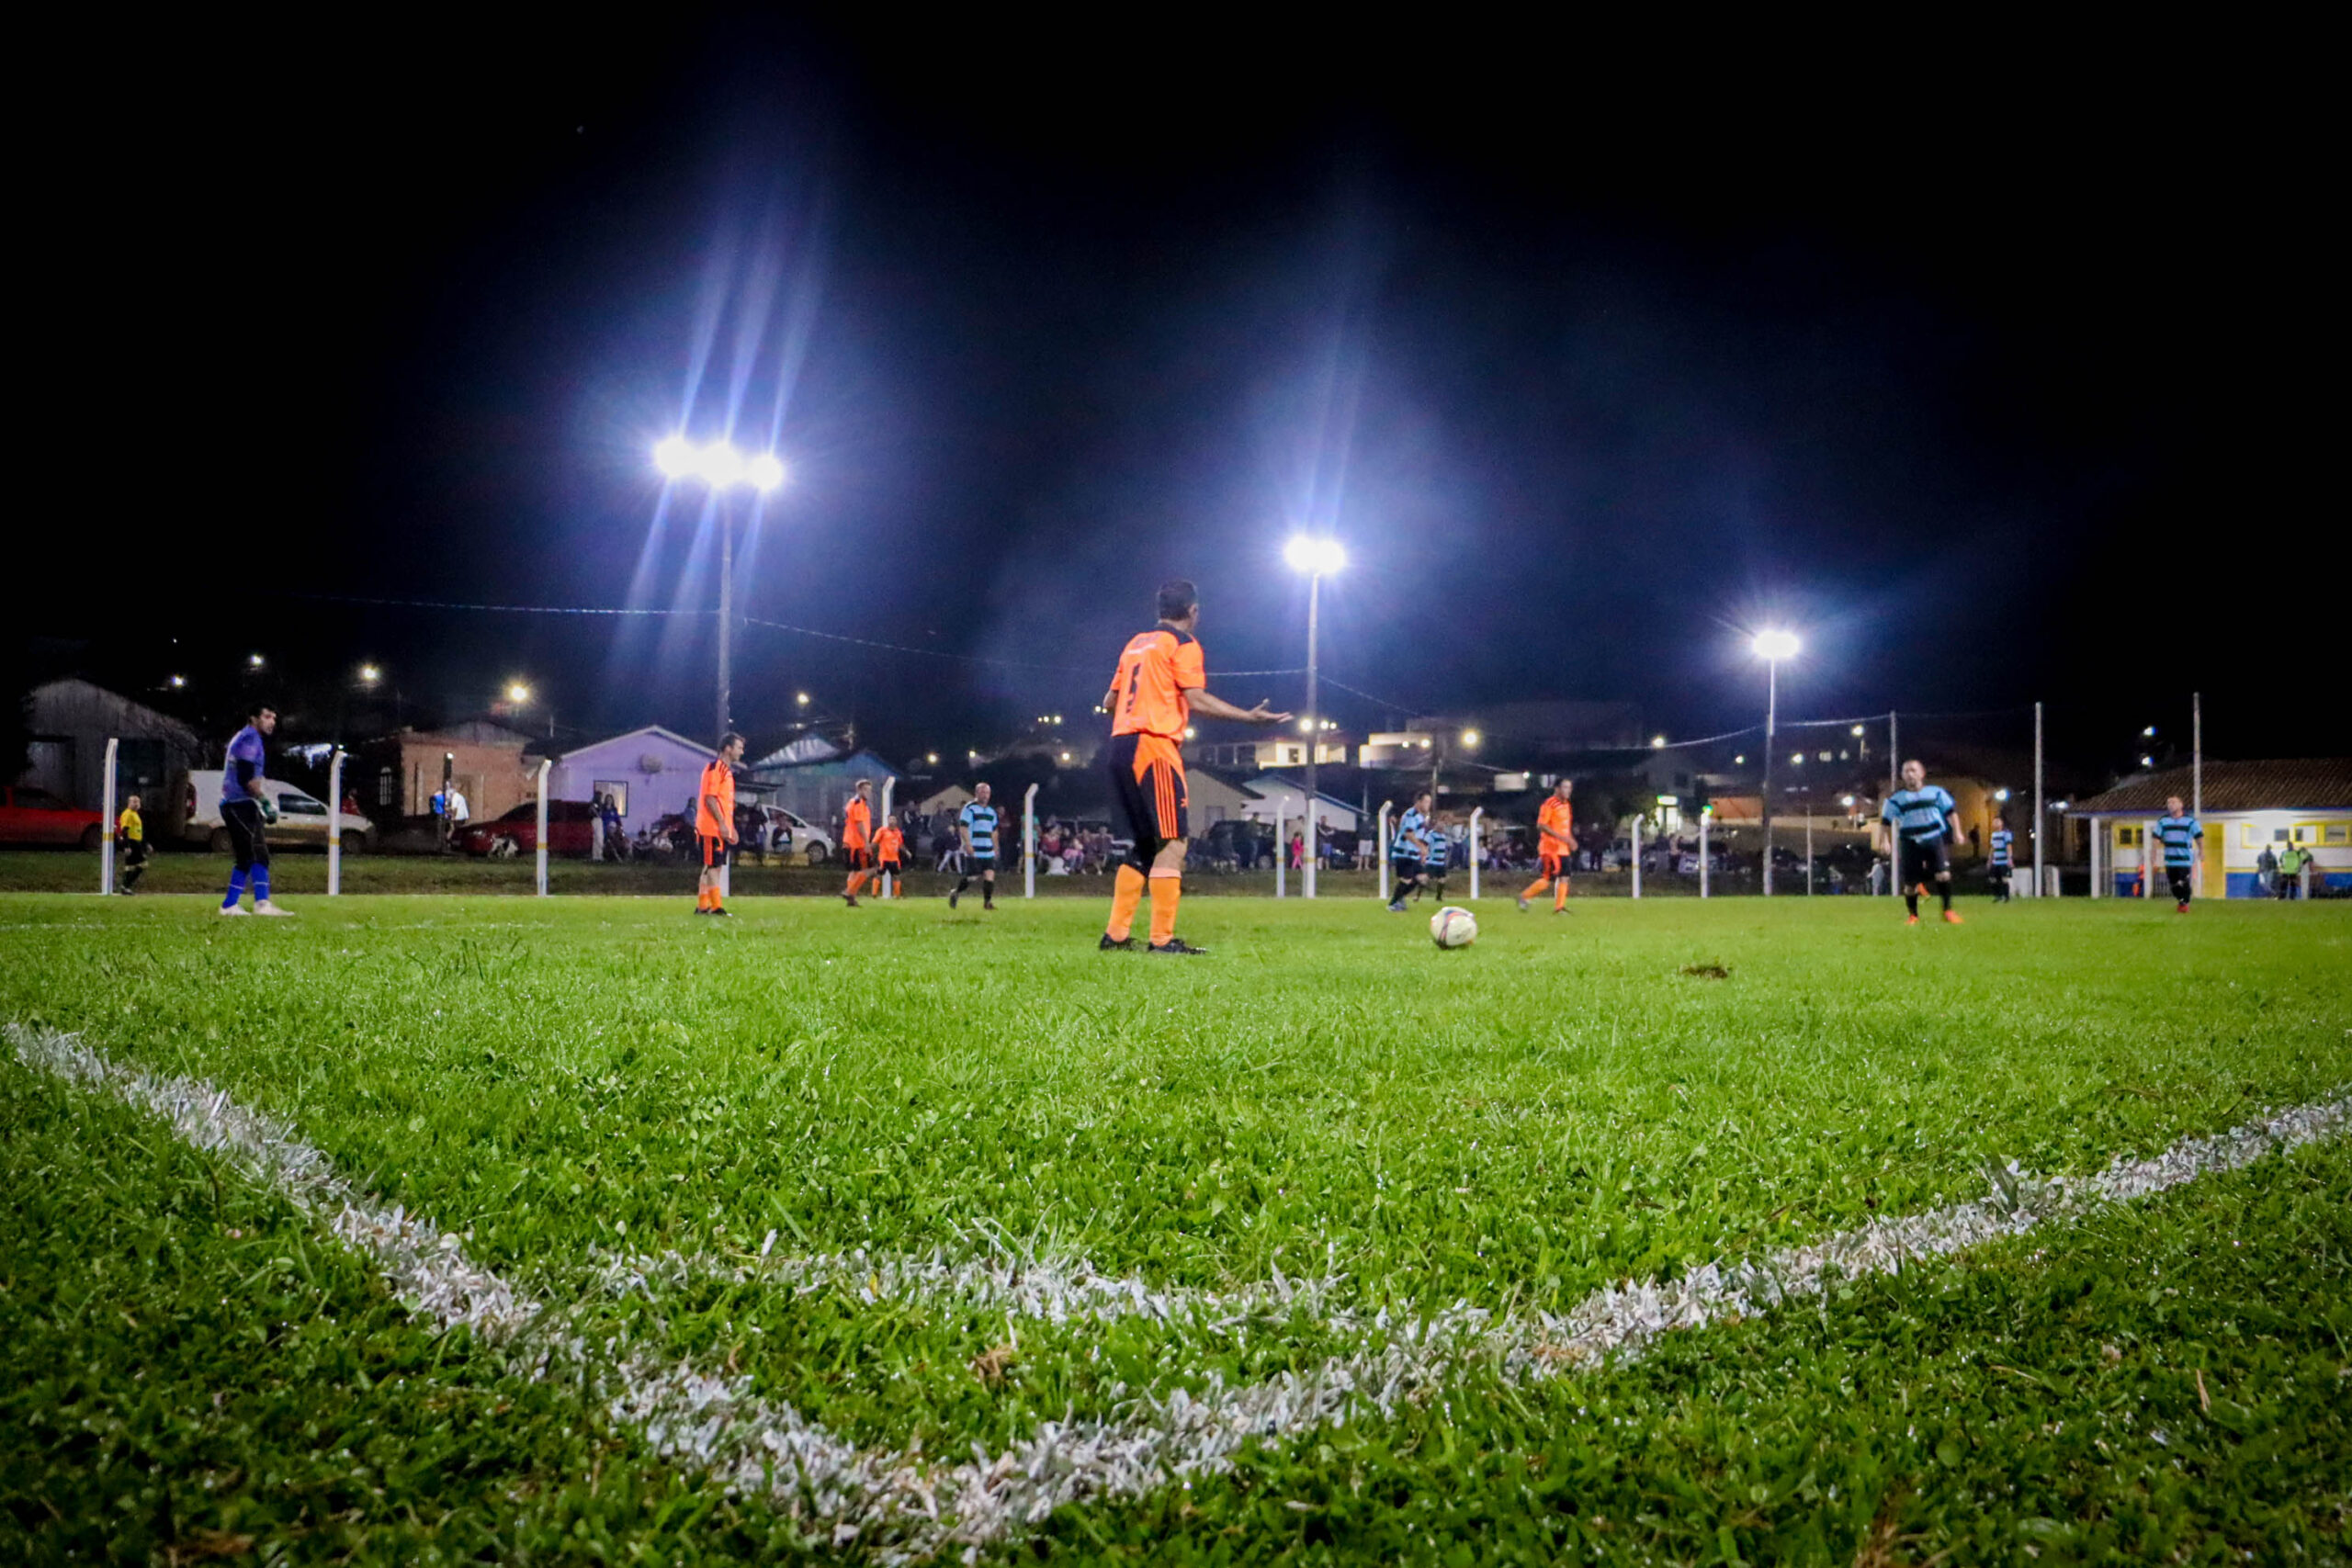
(1638, 856)
(1475, 813)
(544, 762)
(1704, 817)
(334, 824)
(1380, 850)
(1029, 842)
(105, 829)
(1281, 852)
(886, 880)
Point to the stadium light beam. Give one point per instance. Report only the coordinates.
(1318, 557)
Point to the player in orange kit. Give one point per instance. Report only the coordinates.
(1163, 681)
(715, 824)
(888, 874)
(857, 840)
(1555, 843)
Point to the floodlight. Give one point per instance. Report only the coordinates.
(2150, 732)
(178, 680)
(931, 759)
(1306, 727)
(719, 465)
(800, 698)
(1656, 741)
(1317, 558)
(674, 455)
(1470, 738)
(2000, 795)
(1858, 729)
(1740, 760)
(1191, 733)
(1776, 645)
(765, 471)
(1797, 757)
(253, 662)
(517, 693)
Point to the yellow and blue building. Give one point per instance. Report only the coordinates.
(2247, 807)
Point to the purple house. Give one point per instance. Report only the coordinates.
(649, 773)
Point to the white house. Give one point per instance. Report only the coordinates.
(1271, 793)
(2248, 807)
(648, 772)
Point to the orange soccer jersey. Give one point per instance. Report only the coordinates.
(1556, 817)
(718, 779)
(857, 823)
(887, 842)
(1147, 695)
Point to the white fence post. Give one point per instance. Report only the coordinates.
(1704, 818)
(1475, 813)
(888, 784)
(2098, 832)
(1282, 853)
(1029, 842)
(543, 763)
(334, 824)
(2147, 865)
(1307, 861)
(1380, 850)
(105, 829)
(1638, 857)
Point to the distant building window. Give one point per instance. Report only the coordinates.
(388, 786)
(2337, 833)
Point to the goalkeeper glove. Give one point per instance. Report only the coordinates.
(268, 812)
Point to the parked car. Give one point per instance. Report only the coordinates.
(571, 826)
(30, 816)
(795, 834)
(302, 817)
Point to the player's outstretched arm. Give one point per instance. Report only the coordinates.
(1211, 706)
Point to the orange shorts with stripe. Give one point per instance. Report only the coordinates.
(1148, 781)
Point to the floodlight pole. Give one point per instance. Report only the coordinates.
(1380, 847)
(334, 824)
(105, 829)
(1638, 857)
(1314, 731)
(2041, 818)
(1771, 728)
(726, 617)
(1703, 853)
(1893, 779)
(1475, 813)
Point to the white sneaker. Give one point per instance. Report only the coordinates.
(268, 908)
(234, 909)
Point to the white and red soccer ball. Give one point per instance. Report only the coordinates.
(1454, 926)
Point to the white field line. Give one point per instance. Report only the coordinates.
(993, 1499)
(1047, 1287)
(912, 1508)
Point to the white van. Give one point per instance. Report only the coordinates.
(301, 816)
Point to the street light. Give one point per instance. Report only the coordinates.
(1771, 647)
(721, 469)
(1317, 558)
(369, 674)
(517, 693)
(252, 660)
(178, 681)
(1470, 739)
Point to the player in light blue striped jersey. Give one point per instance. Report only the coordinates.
(2178, 832)
(1406, 851)
(1925, 823)
(977, 825)
(2003, 862)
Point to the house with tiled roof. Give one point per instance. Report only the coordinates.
(2245, 807)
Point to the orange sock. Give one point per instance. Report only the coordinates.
(1560, 893)
(1166, 891)
(1124, 896)
(1534, 887)
(856, 881)
(702, 899)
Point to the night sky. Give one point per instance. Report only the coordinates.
(1978, 364)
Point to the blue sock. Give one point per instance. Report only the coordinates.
(236, 888)
(261, 885)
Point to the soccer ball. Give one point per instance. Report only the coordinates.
(1454, 926)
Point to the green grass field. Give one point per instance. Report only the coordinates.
(935, 1184)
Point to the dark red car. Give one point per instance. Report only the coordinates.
(36, 817)
(570, 826)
